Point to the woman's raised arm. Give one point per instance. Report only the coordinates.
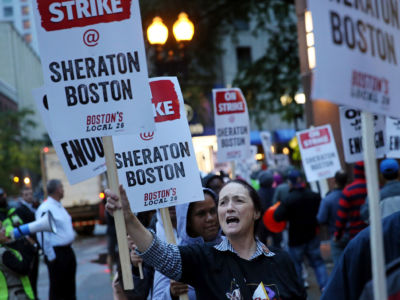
(140, 235)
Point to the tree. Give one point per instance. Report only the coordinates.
(19, 154)
(277, 73)
(264, 81)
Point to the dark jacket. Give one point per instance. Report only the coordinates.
(354, 268)
(224, 271)
(266, 191)
(300, 208)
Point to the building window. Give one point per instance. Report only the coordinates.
(28, 38)
(26, 24)
(243, 56)
(25, 10)
(8, 11)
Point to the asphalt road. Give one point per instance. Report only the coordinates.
(93, 280)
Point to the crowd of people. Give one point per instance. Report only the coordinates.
(19, 258)
(224, 249)
(232, 262)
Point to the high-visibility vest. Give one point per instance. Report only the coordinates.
(11, 221)
(7, 278)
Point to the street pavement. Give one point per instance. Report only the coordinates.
(94, 281)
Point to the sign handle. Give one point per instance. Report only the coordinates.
(323, 187)
(376, 240)
(233, 169)
(169, 233)
(140, 266)
(118, 214)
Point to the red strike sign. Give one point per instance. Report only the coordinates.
(64, 14)
(165, 101)
(315, 138)
(229, 102)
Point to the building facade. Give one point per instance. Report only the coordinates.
(20, 74)
(20, 13)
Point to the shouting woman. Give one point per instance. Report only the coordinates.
(240, 267)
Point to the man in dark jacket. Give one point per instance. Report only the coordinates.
(328, 211)
(266, 193)
(300, 208)
(354, 268)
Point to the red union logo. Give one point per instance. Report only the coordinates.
(315, 138)
(165, 101)
(65, 14)
(229, 102)
(147, 136)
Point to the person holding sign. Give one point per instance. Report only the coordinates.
(233, 268)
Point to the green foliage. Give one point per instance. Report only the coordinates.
(18, 152)
(276, 73)
(263, 82)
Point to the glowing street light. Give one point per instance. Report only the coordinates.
(16, 179)
(157, 32)
(27, 180)
(300, 98)
(183, 28)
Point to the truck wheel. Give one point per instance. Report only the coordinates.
(85, 230)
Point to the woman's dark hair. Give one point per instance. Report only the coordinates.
(211, 193)
(254, 198)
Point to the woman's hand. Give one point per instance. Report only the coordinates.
(178, 288)
(140, 235)
(113, 204)
(135, 259)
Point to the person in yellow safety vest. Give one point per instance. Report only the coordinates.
(15, 265)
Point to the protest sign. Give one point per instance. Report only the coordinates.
(319, 155)
(81, 159)
(266, 141)
(282, 160)
(357, 46)
(393, 137)
(96, 80)
(159, 169)
(350, 124)
(231, 125)
(244, 168)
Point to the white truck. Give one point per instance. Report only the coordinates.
(83, 201)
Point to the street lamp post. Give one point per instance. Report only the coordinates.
(171, 59)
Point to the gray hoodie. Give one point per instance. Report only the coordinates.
(161, 282)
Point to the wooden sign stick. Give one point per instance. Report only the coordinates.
(118, 215)
(169, 233)
(376, 234)
(140, 266)
(233, 169)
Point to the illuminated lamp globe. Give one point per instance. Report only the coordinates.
(157, 32)
(27, 180)
(183, 28)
